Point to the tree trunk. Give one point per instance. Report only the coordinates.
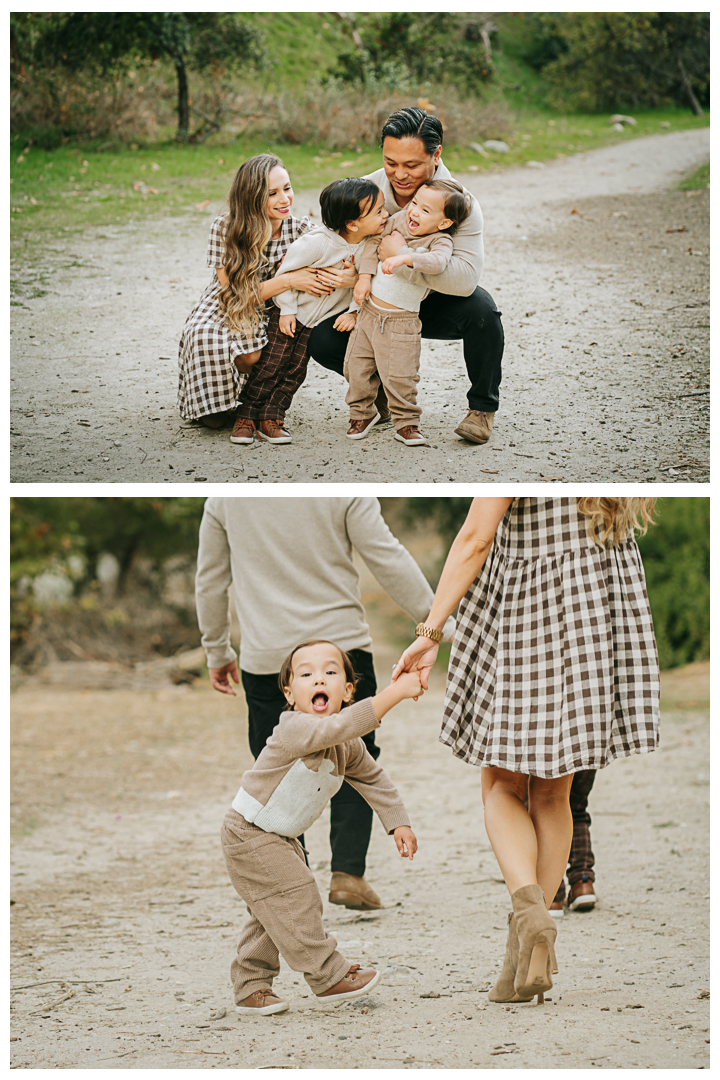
(687, 87)
(183, 128)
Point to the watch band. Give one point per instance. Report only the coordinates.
(421, 630)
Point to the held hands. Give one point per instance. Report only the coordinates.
(307, 280)
(405, 841)
(220, 678)
(417, 659)
(286, 325)
(408, 683)
(346, 321)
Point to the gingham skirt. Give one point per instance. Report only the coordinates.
(553, 666)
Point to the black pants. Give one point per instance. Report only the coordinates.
(350, 816)
(581, 860)
(475, 319)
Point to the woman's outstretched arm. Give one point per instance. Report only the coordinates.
(465, 560)
(305, 280)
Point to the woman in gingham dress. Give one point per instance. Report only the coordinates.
(230, 339)
(553, 670)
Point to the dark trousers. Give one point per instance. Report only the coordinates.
(581, 860)
(473, 319)
(350, 816)
(278, 374)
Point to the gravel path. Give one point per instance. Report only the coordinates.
(599, 265)
(124, 921)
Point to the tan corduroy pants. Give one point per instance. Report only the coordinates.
(270, 874)
(384, 348)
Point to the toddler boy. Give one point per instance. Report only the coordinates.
(313, 748)
(385, 344)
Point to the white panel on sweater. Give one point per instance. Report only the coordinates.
(297, 801)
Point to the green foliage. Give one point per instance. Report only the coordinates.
(612, 60)
(676, 555)
(404, 49)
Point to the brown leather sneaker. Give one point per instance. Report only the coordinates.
(476, 426)
(411, 436)
(557, 909)
(273, 431)
(244, 430)
(353, 892)
(357, 981)
(582, 895)
(360, 428)
(262, 1002)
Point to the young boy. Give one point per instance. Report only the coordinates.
(351, 210)
(313, 748)
(385, 345)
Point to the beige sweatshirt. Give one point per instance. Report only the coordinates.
(431, 255)
(290, 564)
(318, 247)
(466, 264)
(304, 763)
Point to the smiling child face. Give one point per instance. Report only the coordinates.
(426, 212)
(318, 684)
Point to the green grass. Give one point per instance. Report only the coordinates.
(699, 179)
(77, 186)
(302, 46)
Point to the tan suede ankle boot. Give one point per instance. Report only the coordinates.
(504, 988)
(536, 930)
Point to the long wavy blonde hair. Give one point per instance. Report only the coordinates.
(247, 232)
(610, 520)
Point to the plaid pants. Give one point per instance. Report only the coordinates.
(581, 859)
(278, 374)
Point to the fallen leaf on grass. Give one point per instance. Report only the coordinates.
(680, 228)
(202, 205)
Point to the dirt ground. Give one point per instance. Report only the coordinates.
(121, 902)
(600, 269)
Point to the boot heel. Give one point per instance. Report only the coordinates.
(538, 976)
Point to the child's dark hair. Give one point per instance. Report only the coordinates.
(286, 670)
(340, 201)
(458, 203)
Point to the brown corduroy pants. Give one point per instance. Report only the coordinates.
(283, 901)
(384, 348)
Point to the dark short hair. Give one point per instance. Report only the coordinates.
(340, 201)
(414, 123)
(286, 670)
(458, 202)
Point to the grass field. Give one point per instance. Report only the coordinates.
(75, 186)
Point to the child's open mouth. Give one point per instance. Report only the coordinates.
(413, 224)
(319, 701)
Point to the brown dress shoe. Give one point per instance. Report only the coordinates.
(476, 426)
(411, 436)
(582, 895)
(273, 432)
(262, 1002)
(360, 428)
(244, 430)
(353, 892)
(357, 981)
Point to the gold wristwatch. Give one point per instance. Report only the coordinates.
(421, 630)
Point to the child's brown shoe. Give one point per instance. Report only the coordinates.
(243, 431)
(411, 436)
(357, 981)
(261, 1003)
(360, 428)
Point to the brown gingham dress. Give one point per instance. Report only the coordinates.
(553, 667)
(209, 381)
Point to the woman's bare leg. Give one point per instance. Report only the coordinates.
(531, 847)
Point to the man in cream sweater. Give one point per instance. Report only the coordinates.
(289, 561)
(457, 308)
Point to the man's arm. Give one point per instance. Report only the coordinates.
(389, 562)
(212, 581)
